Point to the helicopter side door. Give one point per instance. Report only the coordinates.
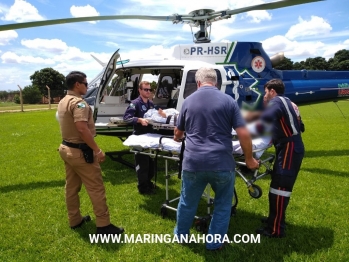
(189, 85)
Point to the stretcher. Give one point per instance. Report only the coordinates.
(158, 146)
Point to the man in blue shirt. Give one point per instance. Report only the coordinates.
(207, 118)
(134, 114)
(285, 126)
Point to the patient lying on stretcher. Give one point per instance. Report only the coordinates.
(164, 116)
(152, 141)
(169, 116)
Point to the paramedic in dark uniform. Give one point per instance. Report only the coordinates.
(280, 118)
(78, 131)
(134, 114)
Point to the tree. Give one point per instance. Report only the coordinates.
(16, 99)
(340, 61)
(317, 63)
(3, 95)
(285, 64)
(299, 65)
(31, 95)
(153, 86)
(53, 79)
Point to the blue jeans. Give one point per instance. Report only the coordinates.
(193, 186)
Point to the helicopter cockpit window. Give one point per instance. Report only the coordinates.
(190, 83)
(165, 87)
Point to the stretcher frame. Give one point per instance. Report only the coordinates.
(201, 223)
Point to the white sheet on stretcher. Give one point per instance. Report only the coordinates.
(152, 115)
(152, 141)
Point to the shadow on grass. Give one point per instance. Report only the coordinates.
(117, 173)
(153, 203)
(32, 185)
(300, 239)
(325, 153)
(90, 228)
(323, 171)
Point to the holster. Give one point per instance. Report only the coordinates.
(87, 152)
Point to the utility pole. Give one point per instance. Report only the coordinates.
(20, 97)
(49, 97)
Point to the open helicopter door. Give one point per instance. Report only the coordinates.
(112, 104)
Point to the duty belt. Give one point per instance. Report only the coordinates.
(72, 144)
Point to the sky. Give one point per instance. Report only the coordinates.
(308, 30)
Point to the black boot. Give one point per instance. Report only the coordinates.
(110, 230)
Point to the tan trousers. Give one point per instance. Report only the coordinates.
(79, 172)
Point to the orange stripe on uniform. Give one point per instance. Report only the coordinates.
(283, 128)
(285, 156)
(291, 154)
(281, 211)
(277, 210)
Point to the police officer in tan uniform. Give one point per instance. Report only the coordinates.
(81, 156)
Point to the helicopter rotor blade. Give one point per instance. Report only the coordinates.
(270, 6)
(82, 19)
(176, 18)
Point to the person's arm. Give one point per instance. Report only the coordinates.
(178, 135)
(162, 113)
(130, 116)
(251, 116)
(86, 135)
(246, 145)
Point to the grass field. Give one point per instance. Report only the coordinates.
(11, 106)
(33, 217)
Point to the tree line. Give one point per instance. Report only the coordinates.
(340, 62)
(33, 93)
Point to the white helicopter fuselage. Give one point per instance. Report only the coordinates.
(174, 77)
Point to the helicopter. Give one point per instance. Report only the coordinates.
(242, 69)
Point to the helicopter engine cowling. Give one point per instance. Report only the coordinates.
(277, 58)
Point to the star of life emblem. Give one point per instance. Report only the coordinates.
(258, 64)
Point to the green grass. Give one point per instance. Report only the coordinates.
(9, 106)
(33, 217)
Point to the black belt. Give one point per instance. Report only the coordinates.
(72, 144)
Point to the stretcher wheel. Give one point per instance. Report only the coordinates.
(255, 191)
(163, 212)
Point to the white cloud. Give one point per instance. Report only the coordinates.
(153, 52)
(72, 54)
(22, 11)
(10, 57)
(111, 44)
(258, 16)
(50, 45)
(309, 32)
(7, 36)
(332, 49)
(3, 9)
(314, 27)
(301, 50)
(81, 11)
(9, 76)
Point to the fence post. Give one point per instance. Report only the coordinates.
(49, 97)
(20, 97)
